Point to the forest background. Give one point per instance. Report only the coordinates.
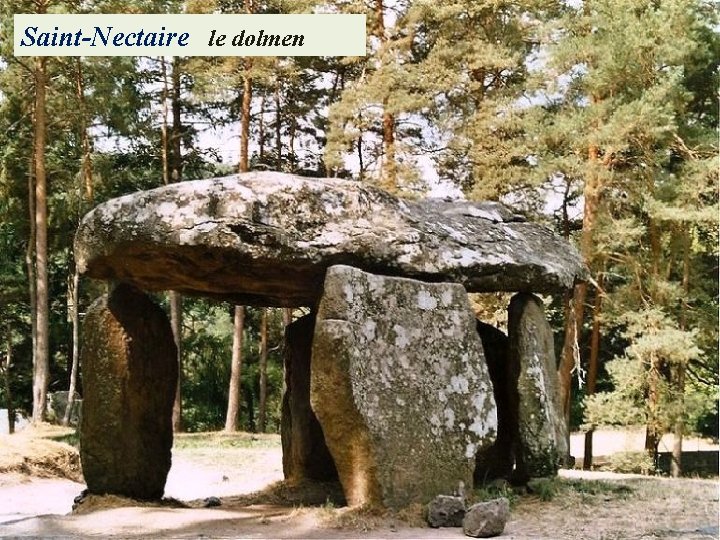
(598, 118)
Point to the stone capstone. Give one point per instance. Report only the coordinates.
(486, 519)
(446, 511)
(130, 371)
(542, 436)
(265, 238)
(400, 387)
(305, 454)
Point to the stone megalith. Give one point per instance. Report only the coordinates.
(305, 454)
(266, 239)
(400, 386)
(130, 373)
(542, 436)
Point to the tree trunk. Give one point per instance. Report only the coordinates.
(593, 369)
(261, 130)
(390, 169)
(176, 172)
(86, 165)
(6, 369)
(278, 128)
(570, 356)
(41, 371)
(30, 261)
(652, 430)
(165, 122)
(233, 410)
(244, 164)
(262, 406)
(679, 428)
(293, 130)
(75, 321)
(176, 325)
(172, 172)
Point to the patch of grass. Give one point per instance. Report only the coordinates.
(326, 494)
(629, 462)
(492, 491)
(545, 488)
(39, 456)
(219, 439)
(73, 439)
(597, 487)
(368, 518)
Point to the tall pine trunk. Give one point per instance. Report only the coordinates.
(41, 368)
(593, 369)
(262, 405)
(75, 322)
(570, 356)
(86, 186)
(176, 176)
(172, 163)
(176, 325)
(653, 430)
(234, 394)
(278, 128)
(389, 169)
(30, 261)
(233, 411)
(7, 376)
(679, 427)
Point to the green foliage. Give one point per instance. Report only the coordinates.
(630, 463)
(493, 491)
(596, 487)
(207, 344)
(545, 488)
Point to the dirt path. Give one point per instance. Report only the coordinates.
(594, 506)
(655, 509)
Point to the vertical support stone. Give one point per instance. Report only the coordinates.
(542, 440)
(305, 454)
(130, 373)
(400, 387)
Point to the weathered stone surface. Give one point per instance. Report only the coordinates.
(399, 385)
(446, 511)
(486, 519)
(305, 454)
(267, 239)
(129, 376)
(542, 443)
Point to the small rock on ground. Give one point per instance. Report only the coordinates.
(486, 519)
(446, 511)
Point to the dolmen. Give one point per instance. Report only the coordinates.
(392, 385)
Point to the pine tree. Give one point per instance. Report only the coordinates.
(621, 67)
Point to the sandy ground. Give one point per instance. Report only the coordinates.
(641, 508)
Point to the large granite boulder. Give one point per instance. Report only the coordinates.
(305, 454)
(266, 239)
(400, 386)
(542, 436)
(129, 376)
